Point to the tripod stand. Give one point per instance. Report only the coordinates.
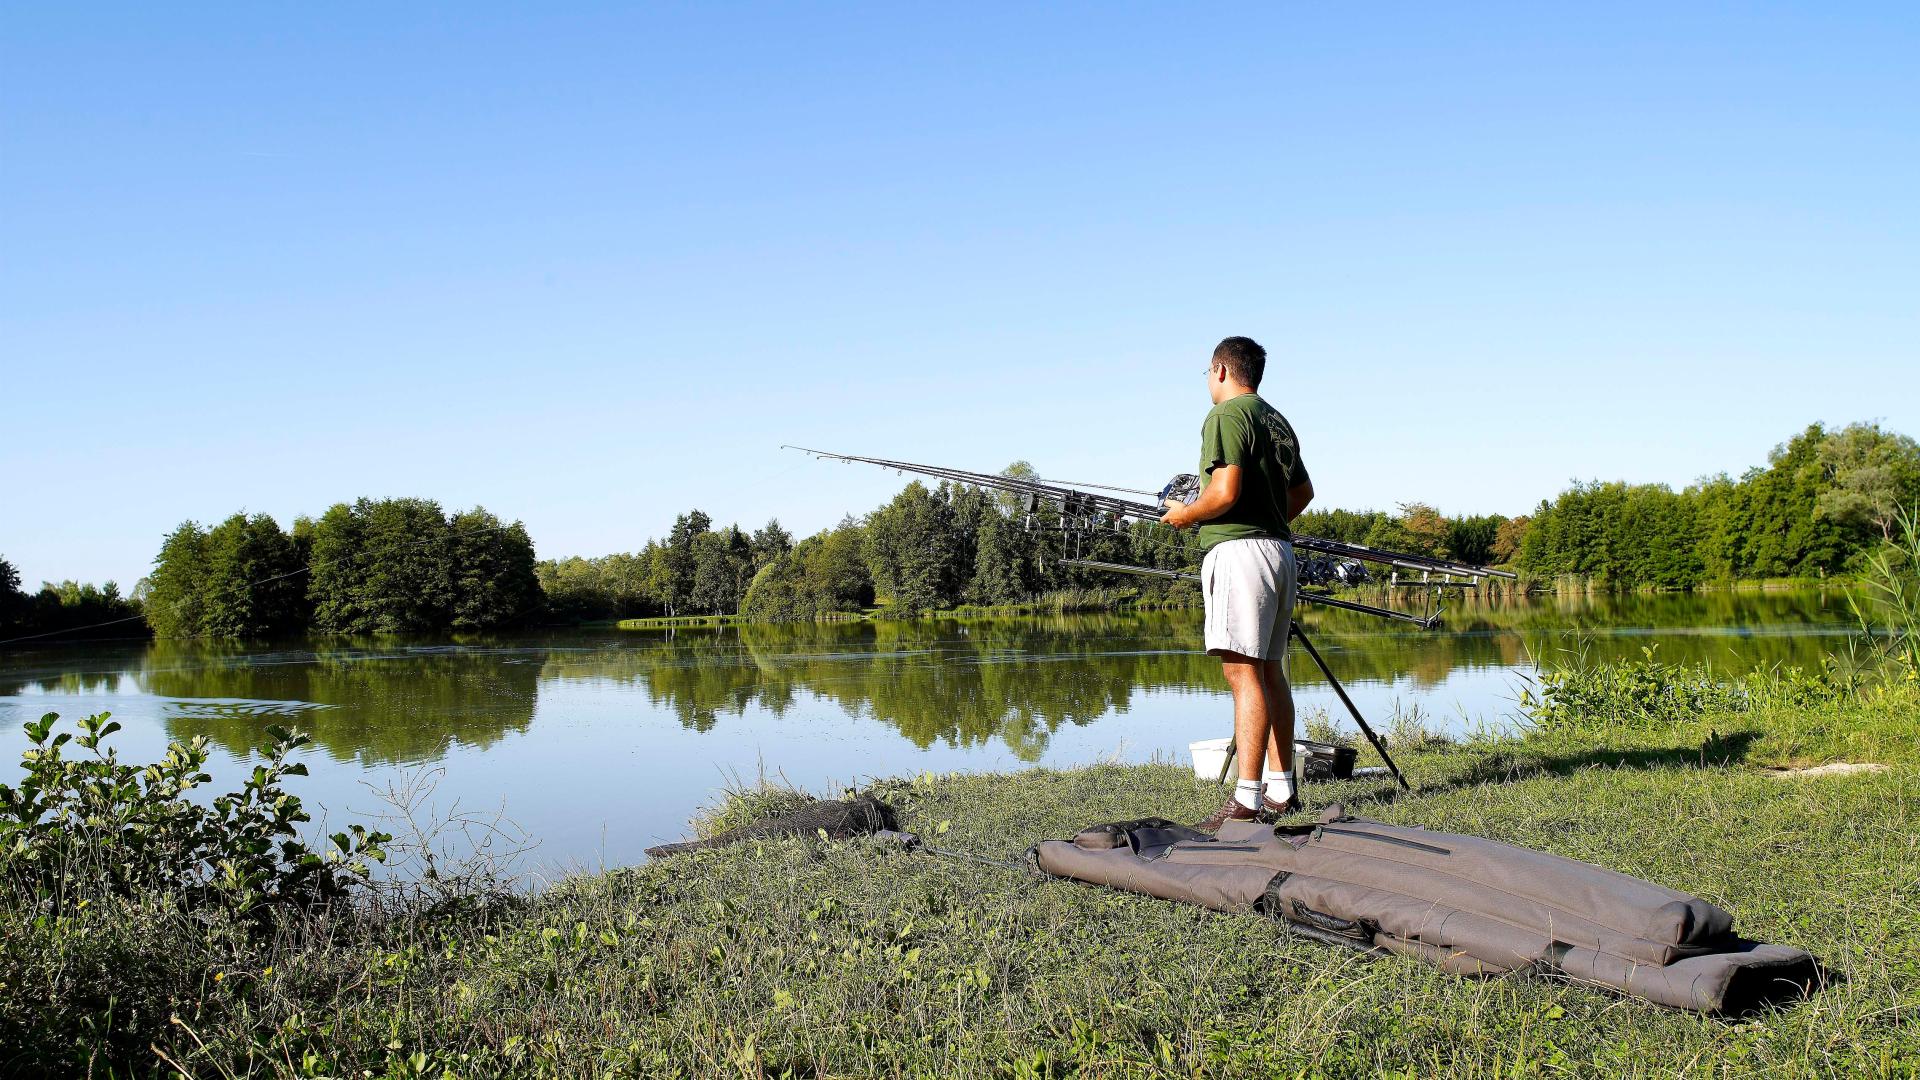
(1301, 635)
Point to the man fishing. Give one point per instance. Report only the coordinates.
(1254, 485)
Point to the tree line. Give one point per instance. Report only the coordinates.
(63, 607)
(1822, 501)
(1820, 504)
(696, 570)
(928, 548)
(376, 566)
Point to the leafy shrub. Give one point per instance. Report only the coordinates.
(93, 826)
(125, 904)
(1638, 693)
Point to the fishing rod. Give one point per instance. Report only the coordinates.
(1086, 510)
(1428, 622)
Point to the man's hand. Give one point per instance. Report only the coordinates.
(1222, 491)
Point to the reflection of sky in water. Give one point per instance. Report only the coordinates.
(600, 745)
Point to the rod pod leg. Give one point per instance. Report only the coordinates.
(1351, 709)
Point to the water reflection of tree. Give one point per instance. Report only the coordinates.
(969, 682)
(961, 683)
(383, 703)
(1017, 680)
(957, 682)
(1734, 631)
(69, 668)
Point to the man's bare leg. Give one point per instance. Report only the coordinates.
(1279, 695)
(1246, 677)
(1280, 782)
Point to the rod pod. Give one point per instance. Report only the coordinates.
(1233, 747)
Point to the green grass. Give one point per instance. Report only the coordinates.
(808, 958)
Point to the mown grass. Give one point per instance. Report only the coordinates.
(809, 958)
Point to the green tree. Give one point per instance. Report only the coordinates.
(176, 590)
(657, 568)
(13, 602)
(1003, 570)
(1867, 476)
(822, 574)
(407, 580)
(1509, 538)
(494, 582)
(573, 589)
(1347, 526)
(1786, 535)
(836, 572)
(624, 576)
(73, 606)
(1388, 532)
(777, 593)
(770, 541)
(382, 567)
(1471, 539)
(338, 549)
(251, 585)
(679, 561)
(913, 550)
(1425, 529)
(722, 570)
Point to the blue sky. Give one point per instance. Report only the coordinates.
(589, 267)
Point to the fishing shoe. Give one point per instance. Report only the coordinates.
(1271, 811)
(1231, 811)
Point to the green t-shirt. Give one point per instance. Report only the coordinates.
(1250, 433)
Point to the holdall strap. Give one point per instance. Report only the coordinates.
(1357, 929)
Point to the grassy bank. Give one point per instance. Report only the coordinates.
(808, 958)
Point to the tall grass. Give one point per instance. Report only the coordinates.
(1889, 608)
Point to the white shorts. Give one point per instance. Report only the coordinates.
(1249, 588)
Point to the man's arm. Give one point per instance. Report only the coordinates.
(1298, 496)
(1222, 491)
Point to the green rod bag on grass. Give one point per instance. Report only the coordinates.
(1470, 905)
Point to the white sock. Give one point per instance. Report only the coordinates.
(1279, 787)
(1247, 794)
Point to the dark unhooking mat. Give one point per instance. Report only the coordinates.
(1469, 905)
(838, 819)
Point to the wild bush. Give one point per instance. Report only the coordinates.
(123, 902)
(1637, 693)
(83, 827)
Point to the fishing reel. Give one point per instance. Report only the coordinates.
(1326, 570)
(1182, 489)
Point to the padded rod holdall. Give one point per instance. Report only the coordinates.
(1469, 905)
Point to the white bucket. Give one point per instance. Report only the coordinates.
(1209, 756)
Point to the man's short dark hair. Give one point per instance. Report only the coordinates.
(1243, 358)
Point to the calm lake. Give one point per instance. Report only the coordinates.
(600, 743)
